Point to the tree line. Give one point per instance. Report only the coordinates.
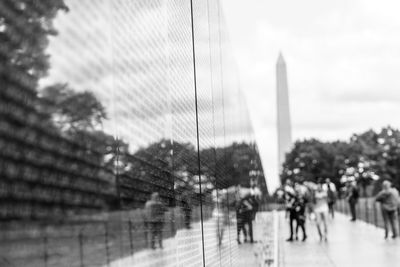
(368, 158)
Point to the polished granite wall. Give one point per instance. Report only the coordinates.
(103, 103)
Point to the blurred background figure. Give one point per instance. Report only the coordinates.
(245, 213)
(289, 204)
(155, 211)
(299, 206)
(321, 211)
(220, 213)
(352, 198)
(186, 206)
(255, 198)
(311, 188)
(330, 188)
(389, 199)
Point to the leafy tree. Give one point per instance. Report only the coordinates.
(24, 29)
(369, 158)
(232, 165)
(73, 111)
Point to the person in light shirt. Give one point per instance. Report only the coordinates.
(321, 210)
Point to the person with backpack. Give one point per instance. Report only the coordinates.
(389, 199)
(332, 196)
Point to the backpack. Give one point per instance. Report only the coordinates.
(355, 193)
(331, 195)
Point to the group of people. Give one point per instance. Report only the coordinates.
(306, 199)
(302, 200)
(317, 202)
(246, 202)
(389, 199)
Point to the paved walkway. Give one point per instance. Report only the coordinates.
(262, 252)
(351, 244)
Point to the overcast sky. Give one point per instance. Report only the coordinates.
(343, 61)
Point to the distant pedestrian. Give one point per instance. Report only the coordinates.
(310, 197)
(332, 196)
(299, 206)
(289, 203)
(352, 198)
(389, 199)
(155, 210)
(321, 210)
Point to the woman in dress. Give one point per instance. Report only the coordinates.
(321, 210)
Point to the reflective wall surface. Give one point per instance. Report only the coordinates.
(124, 134)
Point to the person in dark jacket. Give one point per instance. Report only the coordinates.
(289, 201)
(244, 213)
(352, 198)
(389, 199)
(299, 206)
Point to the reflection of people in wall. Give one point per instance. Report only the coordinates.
(220, 212)
(244, 213)
(155, 210)
(186, 205)
(255, 197)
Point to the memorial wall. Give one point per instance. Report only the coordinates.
(124, 134)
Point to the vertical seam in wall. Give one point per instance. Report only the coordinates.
(213, 121)
(223, 118)
(197, 129)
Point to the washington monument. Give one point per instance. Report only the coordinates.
(284, 125)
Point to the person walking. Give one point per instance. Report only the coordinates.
(155, 210)
(389, 199)
(321, 210)
(352, 198)
(332, 196)
(299, 206)
(290, 211)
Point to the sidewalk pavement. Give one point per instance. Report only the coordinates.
(264, 251)
(350, 244)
